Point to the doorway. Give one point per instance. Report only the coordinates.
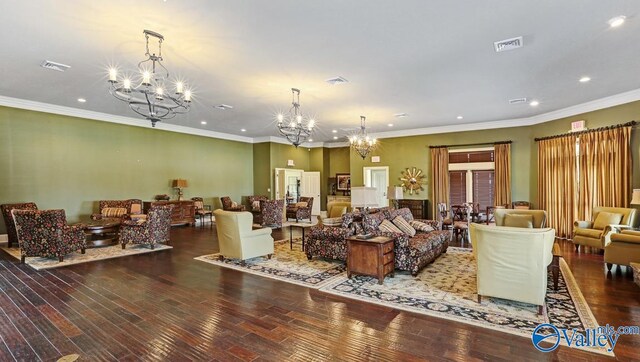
(378, 177)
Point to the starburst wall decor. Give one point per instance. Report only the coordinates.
(412, 180)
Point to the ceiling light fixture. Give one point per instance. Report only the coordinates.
(335, 137)
(361, 142)
(151, 98)
(82, 100)
(584, 79)
(243, 130)
(294, 126)
(534, 103)
(617, 21)
(459, 117)
(334, 131)
(203, 122)
(390, 125)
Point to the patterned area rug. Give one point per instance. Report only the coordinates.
(447, 289)
(94, 254)
(287, 265)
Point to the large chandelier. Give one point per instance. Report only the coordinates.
(295, 127)
(148, 94)
(361, 142)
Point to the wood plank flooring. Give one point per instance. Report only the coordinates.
(167, 306)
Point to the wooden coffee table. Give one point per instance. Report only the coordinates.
(374, 257)
(102, 232)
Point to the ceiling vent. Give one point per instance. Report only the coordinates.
(401, 115)
(223, 107)
(508, 44)
(517, 100)
(47, 64)
(337, 80)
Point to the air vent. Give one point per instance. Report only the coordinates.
(337, 80)
(223, 107)
(508, 44)
(401, 115)
(47, 64)
(517, 100)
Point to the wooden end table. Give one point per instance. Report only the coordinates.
(301, 226)
(374, 257)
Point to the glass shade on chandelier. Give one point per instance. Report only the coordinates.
(294, 126)
(151, 93)
(361, 142)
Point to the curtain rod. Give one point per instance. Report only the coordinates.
(628, 124)
(473, 144)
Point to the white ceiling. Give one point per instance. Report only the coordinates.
(431, 59)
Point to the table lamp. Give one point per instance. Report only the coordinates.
(179, 184)
(394, 193)
(363, 197)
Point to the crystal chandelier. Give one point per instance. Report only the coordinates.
(294, 126)
(149, 95)
(361, 142)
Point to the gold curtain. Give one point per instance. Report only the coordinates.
(557, 183)
(605, 169)
(502, 158)
(439, 177)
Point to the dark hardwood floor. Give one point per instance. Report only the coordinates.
(167, 306)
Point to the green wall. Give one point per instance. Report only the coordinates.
(262, 183)
(339, 160)
(71, 163)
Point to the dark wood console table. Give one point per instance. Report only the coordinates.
(419, 208)
(184, 211)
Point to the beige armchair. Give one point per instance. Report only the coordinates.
(236, 238)
(512, 262)
(596, 233)
(505, 217)
(624, 248)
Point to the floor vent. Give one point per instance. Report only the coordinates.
(517, 100)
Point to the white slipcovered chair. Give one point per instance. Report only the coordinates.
(512, 262)
(237, 239)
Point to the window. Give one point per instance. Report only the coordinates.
(483, 188)
(472, 177)
(457, 187)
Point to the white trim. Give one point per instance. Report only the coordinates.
(4, 238)
(471, 166)
(460, 150)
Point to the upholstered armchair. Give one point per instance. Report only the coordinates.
(329, 241)
(604, 221)
(45, 233)
(300, 210)
(624, 248)
(512, 262)
(254, 202)
(202, 210)
(521, 205)
(271, 212)
(228, 205)
(152, 230)
(237, 239)
(8, 218)
(520, 218)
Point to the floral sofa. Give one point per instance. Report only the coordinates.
(411, 253)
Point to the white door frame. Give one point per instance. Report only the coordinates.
(367, 175)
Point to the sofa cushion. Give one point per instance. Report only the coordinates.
(606, 218)
(518, 221)
(337, 211)
(404, 226)
(302, 204)
(387, 226)
(590, 233)
(371, 222)
(420, 226)
(114, 211)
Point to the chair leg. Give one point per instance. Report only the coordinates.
(83, 251)
(124, 246)
(541, 309)
(22, 258)
(479, 299)
(577, 248)
(60, 258)
(609, 266)
(153, 246)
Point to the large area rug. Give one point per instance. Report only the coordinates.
(94, 254)
(287, 265)
(444, 289)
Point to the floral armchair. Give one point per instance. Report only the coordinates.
(228, 205)
(271, 212)
(254, 202)
(155, 229)
(300, 210)
(8, 218)
(45, 233)
(329, 241)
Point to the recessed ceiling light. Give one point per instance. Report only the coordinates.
(334, 131)
(534, 103)
(584, 79)
(335, 137)
(310, 140)
(82, 100)
(203, 122)
(459, 117)
(617, 21)
(243, 130)
(390, 125)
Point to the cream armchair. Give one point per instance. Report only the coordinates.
(237, 239)
(597, 232)
(538, 217)
(512, 262)
(624, 249)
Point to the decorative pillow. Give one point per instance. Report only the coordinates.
(518, 221)
(606, 218)
(255, 205)
(234, 204)
(136, 209)
(337, 211)
(404, 226)
(420, 226)
(302, 204)
(387, 226)
(332, 221)
(114, 211)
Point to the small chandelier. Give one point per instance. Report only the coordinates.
(151, 97)
(361, 142)
(294, 126)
